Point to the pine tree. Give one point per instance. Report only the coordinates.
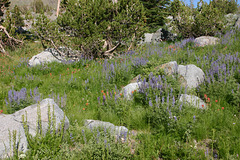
(16, 15)
(156, 11)
(92, 24)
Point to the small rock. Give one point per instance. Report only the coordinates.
(193, 100)
(127, 90)
(44, 57)
(114, 130)
(206, 40)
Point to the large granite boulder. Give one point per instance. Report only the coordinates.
(193, 101)
(206, 40)
(8, 126)
(190, 75)
(47, 56)
(114, 130)
(14, 122)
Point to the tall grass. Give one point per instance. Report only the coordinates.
(160, 126)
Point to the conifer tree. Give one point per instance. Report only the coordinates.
(156, 11)
(16, 15)
(98, 27)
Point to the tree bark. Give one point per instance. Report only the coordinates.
(58, 6)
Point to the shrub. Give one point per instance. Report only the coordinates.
(87, 25)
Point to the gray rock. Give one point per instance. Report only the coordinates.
(9, 125)
(170, 68)
(157, 37)
(206, 40)
(148, 37)
(190, 75)
(44, 57)
(114, 130)
(193, 100)
(32, 115)
(237, 23)
(136, 79)
(231, 19)
(127, 90)
(14, 122)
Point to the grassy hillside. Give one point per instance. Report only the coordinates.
(160, 126)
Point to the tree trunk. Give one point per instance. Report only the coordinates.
(58, 6)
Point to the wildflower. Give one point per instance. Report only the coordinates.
(120, 94)
(83, 109)
(218, 109)
(208, 99)
(222, 108)
(50, 74)
(102, 91)
(1, 111)
(216, 101)
(132, 92)
(87, 104)
(205, 95)
(203, 105)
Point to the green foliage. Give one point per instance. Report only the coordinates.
(226, 6)
(16, 15)
(205, 20)
(156, 11)
(48, 143)
(4, 4)
(90, 23)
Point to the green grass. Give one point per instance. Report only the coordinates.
(195, 134)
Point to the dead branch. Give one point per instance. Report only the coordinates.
(9, 37)
(131, 42)
(109, 53)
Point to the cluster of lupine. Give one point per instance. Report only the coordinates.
(18, 97)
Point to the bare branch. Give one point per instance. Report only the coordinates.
(9, 37)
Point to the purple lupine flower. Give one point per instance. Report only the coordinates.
(175, 118)
(105, 142)
(31, 93)
(194, 117)
(104, 98)
(156, 99)
(98, 100)
(84, 137)
(125, 136)
(173, 100)
(6, 102)
(168, 98)
(150, 103)
(180, 107)
(162, 99)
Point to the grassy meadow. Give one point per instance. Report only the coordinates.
(160, 126)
